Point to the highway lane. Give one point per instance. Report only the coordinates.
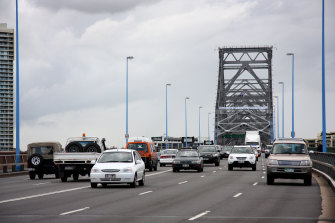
(215, 195)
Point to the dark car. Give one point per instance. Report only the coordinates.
(225, 151)
(210, 154)
(188, 159)
(267, 151)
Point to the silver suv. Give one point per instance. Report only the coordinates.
(289, 159)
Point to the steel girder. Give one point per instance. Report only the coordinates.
(244, 94)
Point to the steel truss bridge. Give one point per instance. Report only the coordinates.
(244, 94)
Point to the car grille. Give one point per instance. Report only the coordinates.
(296, 170)
(241, 158)
(110, 170)
(110, 179)
(186, 162)
(289, 163)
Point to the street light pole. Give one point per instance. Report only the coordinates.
(292, 54)
(186, 120)
(277, 113)
(17, 92)
(282, 116)
(209, 138)
(199, 126)
(127, 133)
(166, 113)
(324, 131)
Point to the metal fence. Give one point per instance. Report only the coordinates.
(8, 163)
(324, 162)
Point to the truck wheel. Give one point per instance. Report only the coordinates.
(94, 185)
(269, 180)
(92, 147)
(32, 175)
(308, 180)
(63, 179)
(56, 174)
(35, 160)
(73, 147)
(40, 175)
(75, 176)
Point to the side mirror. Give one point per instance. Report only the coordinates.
(310, 151)
(93, 161)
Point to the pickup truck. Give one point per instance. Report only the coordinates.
(76, 160)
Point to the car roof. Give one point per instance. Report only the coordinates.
(119, 150)
(242, 146)
(289, 140)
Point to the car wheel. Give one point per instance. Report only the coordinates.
(141, 182)
(150, 167)
(74, 147)
(217, 163)
(104, 185)
(56, 174)
(40, 175)
(63, 179)
(36, 160)
(92, 147)
(269, 180)
(94, 185)
(254, 167)
(155, 167)
(230, 167)
(75, 176)
(308, 180)
(133, 184)
(32, 175)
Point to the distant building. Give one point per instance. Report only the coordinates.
(314, 143)
(6, 88)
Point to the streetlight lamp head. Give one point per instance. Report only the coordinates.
(168, 84)
(280, 82)
(130, 58)
(290, 54)
(187, 98)
(200, 106)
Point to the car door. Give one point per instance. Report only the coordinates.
(140, 166)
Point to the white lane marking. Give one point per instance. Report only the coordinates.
(198, 216)
(255, 184)
(220, 168)
(41, 183)
(184, 182)
(237, 195)
(262, 177)
(202, 176)
(41, 195)
(147, 192)
(214, 171)
(70, 212)
(153, 174)
(264, 172)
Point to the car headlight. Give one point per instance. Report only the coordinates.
(252, 157)
(95, 170)
(127, 170)
(305, 163)
(231, 157)
(215, 155)
(196, 161)
(273, 162)
(176, 162)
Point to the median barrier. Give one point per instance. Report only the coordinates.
(324, 163)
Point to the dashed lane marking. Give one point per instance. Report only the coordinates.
(198, 216)
(41, 183)
(255, 184)
(237, 195)
(153, 174)
(147, 192)
(184, 182)
(74, 211)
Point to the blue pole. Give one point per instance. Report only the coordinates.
(186, 121)
(209, 138)
(282, 83)
(17, 92)
(277, 118)
(324, 142)
(292, 133)
(166, 119)
(274, 121)
(199, 127)
(127, 133)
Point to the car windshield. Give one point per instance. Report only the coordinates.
(225, 148)
(138, 147)
(169, 151)
(203, 149)
(242, 150)
(187, 153)
(42, 150)
(121, 157)
(289, 148)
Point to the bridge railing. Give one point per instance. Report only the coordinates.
(325, 162)
(8, 162)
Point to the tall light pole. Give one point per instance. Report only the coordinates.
(277, 113)
(166, 115)
(209, 138)
(186, 121)
(127, 133)
(17, 91)
(282, 105)
(274, 121)
(199, 126)
(324, 142)
(292, 54)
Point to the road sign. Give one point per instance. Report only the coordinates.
(126, 136)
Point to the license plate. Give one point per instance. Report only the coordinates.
(31, 169)
(289, 170)
(69, 168)
(240, 161)
(185, 165)
(206, 158)
(110, 176)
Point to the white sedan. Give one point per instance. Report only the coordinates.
(118, 166)
(242, 156)
(167, 156)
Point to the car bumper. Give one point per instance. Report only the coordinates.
(166, 161)
(242, 163)
(118, 178)
(289, 172)
(210, 159)
(187, 166)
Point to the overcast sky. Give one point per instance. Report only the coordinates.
(73, 62)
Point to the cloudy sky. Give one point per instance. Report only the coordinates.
(73, 62)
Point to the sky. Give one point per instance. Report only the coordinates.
(73, 63)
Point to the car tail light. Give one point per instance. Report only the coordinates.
(163, 157)
(150, 157)
(173, 157)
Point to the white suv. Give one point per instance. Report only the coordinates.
(242, 156)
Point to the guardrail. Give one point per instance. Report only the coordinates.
(325, 162)
(8, 163)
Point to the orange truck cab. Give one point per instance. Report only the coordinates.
(146, 148)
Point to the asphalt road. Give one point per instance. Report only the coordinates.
(215, 195)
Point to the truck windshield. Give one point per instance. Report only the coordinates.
(242, 150)
(204, 149)
(252, 143)
(121, 157)
(84, 143)
(289, 148)
(138, 146)
(42, 150)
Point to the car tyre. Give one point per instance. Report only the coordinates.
(40, 175)
(134, 183)
(155, 167)
(92, 147)
(141, 182)
(269, 180)
(56, 174)
(161, 164)
(217, 163)
(32, 175)
(74, 147)
(64, 179)
(150, 167)
(308, 180)
(104, 185)
(230, 167)
(94, 185)
(75, 176)
(254, 167)
(36, 160)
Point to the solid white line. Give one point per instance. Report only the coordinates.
(157, 173)
(214, 171)
(41, 183)
(262, 177)
(237, 195)
(220, 168)
(41, 195)
(184, 182)
(70, 212)
(203, 176)
(264, 172)
(198, 216)
(255, 184)
(145, 192)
